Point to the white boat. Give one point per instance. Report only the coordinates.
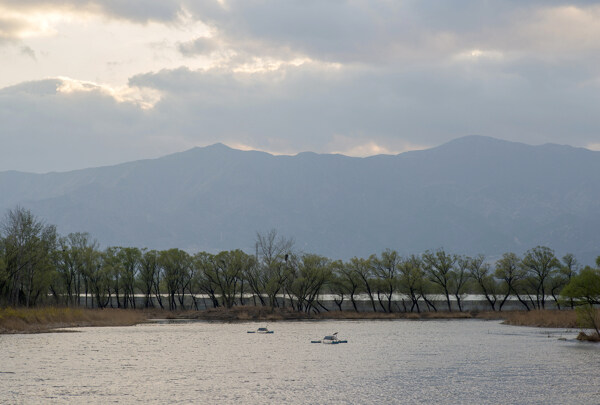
(330, 339)
(261, 330)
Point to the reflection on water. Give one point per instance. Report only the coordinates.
(400, 361)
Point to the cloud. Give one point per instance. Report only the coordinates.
(564, 28)
(201, 45)
(292, 107)
(340, 31)
(15, 25)
(23, 19)
(362, 145)
(141, 11)
(593, 146)
(8, 28)
(314, 107)
(355, 77)
(475, 55)
(90, 47)
(143, 98)
(393, 32)
(59, 124)
(25, 50)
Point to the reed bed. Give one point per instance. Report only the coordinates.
(34, 320)
(542, 318)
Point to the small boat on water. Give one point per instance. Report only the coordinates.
(261, 330)
(330, 339)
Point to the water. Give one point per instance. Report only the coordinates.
(400, 361)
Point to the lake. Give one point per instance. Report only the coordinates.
(395, 361)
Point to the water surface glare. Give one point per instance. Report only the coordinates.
(400, 361)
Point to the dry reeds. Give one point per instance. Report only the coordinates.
(542, 318)
(32, 320)
(22, 320)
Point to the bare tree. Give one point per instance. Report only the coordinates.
(459, 279)
(364, 270)
(411, 278)
(349, 281)
(480, 272)
(439, 267)
(308, 279)
(147, 274)
(256, 279)
(131, 261)
(271, 248)
(570, 268)
(273, 253)
(175, 264)
(205, 263)
(99, 278)
(226, 274)
(509, 270)
(385, 269)
(542, 264)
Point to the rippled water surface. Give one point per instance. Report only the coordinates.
(459, 361)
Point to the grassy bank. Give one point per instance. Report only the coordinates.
(48, 319)
(35, 320)
(542, 318)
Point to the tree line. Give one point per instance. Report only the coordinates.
(40, 267)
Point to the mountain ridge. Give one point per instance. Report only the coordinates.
(471, 195)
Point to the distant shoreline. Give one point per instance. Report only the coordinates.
(51, 319)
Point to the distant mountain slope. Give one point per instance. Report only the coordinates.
(472, 195)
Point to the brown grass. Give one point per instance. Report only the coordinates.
(52, 318)
(542, 318)
(588, 338)
(35, 320)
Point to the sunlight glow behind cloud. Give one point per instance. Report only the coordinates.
(288, 77)
(31, 24)
(145, 98)
(361, 147)
(593, 146)
(478, 54)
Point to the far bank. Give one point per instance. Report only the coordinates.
(52, 319)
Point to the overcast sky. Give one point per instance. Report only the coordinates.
(95, 82)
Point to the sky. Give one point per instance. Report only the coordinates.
(86, 83)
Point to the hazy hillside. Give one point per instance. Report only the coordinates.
(471, 195)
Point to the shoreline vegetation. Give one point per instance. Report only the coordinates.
(55, 279)
(58, 319)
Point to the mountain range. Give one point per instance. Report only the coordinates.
(468, 196)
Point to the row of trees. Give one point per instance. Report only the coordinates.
(38, 266)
